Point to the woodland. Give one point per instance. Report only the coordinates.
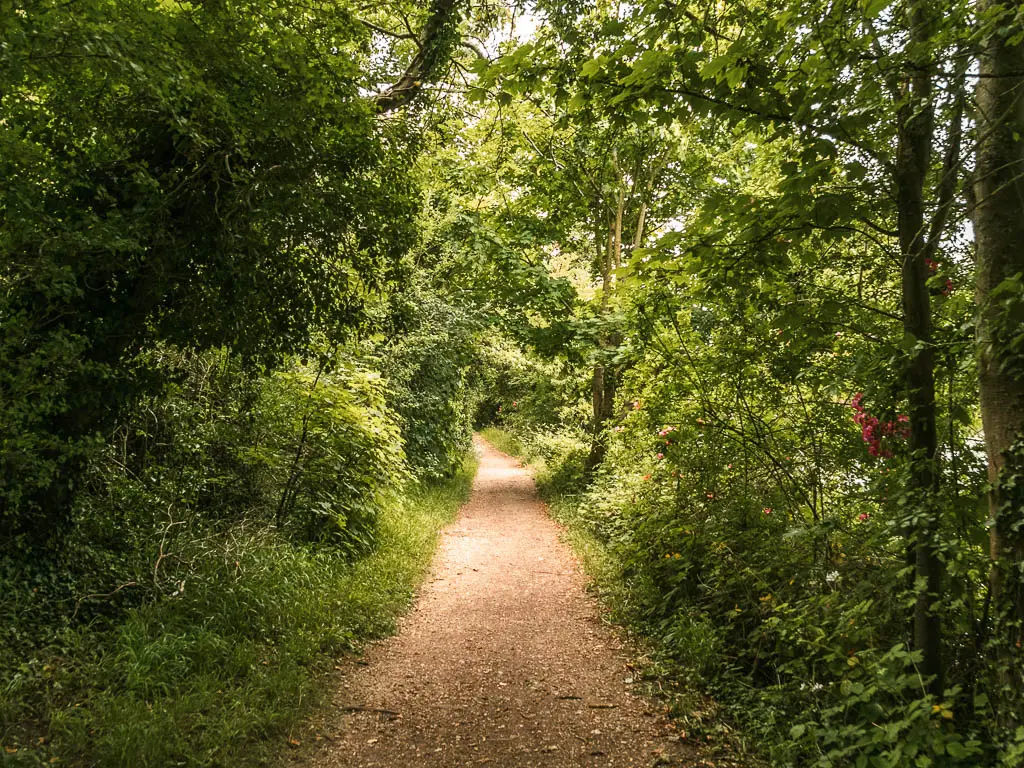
(742, 280)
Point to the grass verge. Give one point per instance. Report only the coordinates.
(222, 673)
(504, 441)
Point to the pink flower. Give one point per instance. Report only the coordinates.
(661, 456)
(767, 510)
(863, 516)
(636, 405)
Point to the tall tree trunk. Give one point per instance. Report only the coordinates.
(916, 127)
(999, 237)
(603, 381)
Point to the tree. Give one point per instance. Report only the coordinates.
(201, 175)
(999, 235)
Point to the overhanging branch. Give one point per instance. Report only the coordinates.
(435, 43)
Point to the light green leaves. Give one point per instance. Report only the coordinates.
(872, 8)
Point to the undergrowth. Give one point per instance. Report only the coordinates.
(221, 672)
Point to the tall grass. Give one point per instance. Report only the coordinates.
(504, 441)
(221, 673)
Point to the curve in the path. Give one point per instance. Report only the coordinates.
(504, 661)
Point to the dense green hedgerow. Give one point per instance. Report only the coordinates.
(218, 672)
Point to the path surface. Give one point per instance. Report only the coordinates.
(503, 662)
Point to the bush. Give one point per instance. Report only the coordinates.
(229, 471)
(429, 387)
(220, 671)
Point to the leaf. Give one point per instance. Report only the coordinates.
(874, 7)
(735, 76)
(592, 67)
(712, 68)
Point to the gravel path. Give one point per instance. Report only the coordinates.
(503, 662)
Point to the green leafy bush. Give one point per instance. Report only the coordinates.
(428, 364)
(219, 671)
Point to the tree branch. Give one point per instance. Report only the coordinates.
(435, 43)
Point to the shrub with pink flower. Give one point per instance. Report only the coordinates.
(873, 431)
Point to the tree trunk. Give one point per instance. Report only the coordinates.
(603, 381)
(999, 238)
(916, 118)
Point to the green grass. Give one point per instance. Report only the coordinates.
(504, 441)
(221, 674)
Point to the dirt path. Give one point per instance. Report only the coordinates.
(503, 662)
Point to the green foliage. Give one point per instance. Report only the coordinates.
(706, 269)
(184, 173)
(1007, 342)
(342, 459)
(428, 365)
(221, 671)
